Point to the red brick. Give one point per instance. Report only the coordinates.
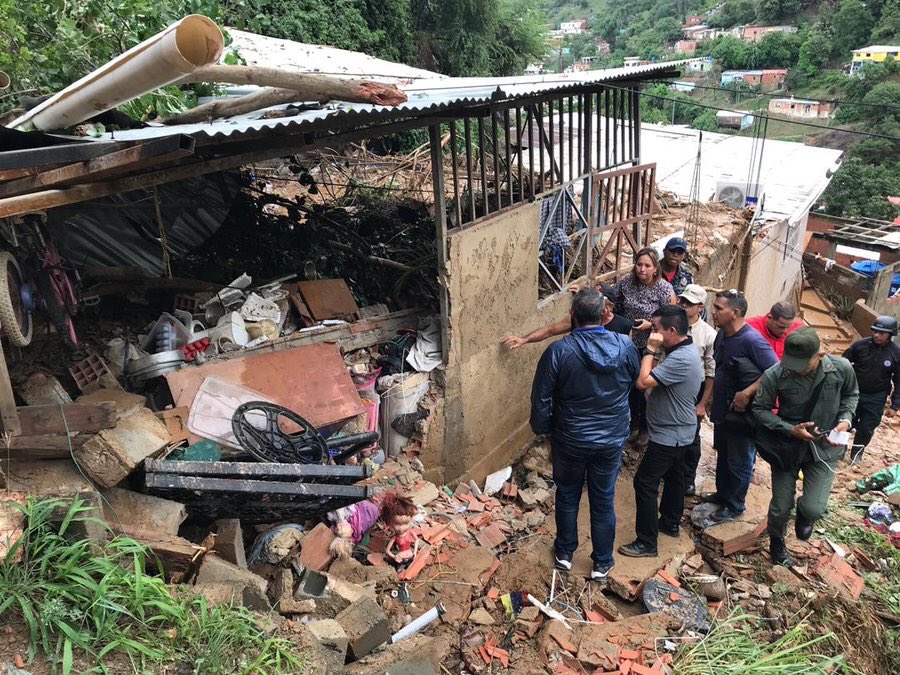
(314, 553)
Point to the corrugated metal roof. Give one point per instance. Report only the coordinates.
(425, 97)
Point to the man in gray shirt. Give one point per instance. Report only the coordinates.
(672, 426)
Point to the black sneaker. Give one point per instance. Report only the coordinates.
(690, 490)
(564, 561)
(600, 572)
(856, 453)
(711, 497)
(638, 549)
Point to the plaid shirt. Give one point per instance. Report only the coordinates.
(680, 279)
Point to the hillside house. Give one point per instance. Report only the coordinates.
(603, 48)
(687, 47)
(576, 27)
(798, 107)
(751, 34)
(763, 80)
(703, 65)
(734, 119)
(873, 54)
(631, 62)
(696, 20)
(700, 33)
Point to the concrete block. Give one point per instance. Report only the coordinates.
(230, 541)
(417, 655)
(281, 588)
(225, 593)
(332, 641)
(314, 552)
(113, 454)
(143, 511)
(216, 570)
(366, 626)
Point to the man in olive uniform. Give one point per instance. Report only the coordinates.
(816, 394)
(876, 361)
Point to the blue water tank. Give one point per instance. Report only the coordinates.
(868, 267)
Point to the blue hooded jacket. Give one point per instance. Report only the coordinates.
(581, 387)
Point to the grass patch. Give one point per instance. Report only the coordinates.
(83, 601)
(736, 646)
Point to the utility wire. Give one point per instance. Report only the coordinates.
(756, 94)
(868, 134)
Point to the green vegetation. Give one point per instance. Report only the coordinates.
(89, 604)
(469, 37)
(734, 647)
(45, 46)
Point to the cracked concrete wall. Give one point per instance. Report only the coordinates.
(493, 289)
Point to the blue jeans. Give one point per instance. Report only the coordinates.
(570, 470)
(735, 455)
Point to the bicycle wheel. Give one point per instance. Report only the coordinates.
(15, 319)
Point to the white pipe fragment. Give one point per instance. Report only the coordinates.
(168, 56)
(415, 626)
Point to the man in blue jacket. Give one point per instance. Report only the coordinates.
(580, 398)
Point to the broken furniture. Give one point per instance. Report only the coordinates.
(257, 492)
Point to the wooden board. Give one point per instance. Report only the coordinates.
(55, 419)
(328, 299)
(311, 380)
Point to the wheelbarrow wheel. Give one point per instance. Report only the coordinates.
(15, 319)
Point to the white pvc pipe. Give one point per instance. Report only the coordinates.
(186, 45)
(420, 623)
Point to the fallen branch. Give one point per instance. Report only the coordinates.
(281, 87)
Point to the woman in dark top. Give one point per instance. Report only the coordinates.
(637, 296)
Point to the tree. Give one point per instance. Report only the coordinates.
(775, 50)
(860, 190)
(734, 13)
(852, 24)
(887, 30)
(771, 11)
(814, 53)
(707, 121)
(730, 52)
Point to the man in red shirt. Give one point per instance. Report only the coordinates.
(775, 326)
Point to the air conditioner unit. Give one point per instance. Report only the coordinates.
(737, 195)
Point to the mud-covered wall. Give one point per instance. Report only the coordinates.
(493, 288)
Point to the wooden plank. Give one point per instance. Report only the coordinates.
(9, 416)
(56, 446)
(55, 419)
(328, 299)
(121, 161)
(165, 481)
(348, 336)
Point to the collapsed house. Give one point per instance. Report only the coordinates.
(300, 343)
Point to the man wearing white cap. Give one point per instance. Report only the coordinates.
(693, 300)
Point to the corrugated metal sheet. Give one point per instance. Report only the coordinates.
(425, 96)
(122, 230)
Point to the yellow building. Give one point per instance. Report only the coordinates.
(873, 54)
